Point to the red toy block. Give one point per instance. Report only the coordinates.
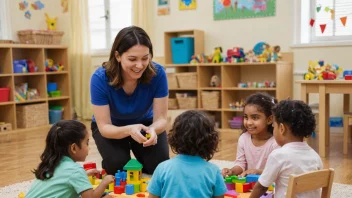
(123, 183)
(247, 187)
(89, 165)
(252, 184)
(119, 189)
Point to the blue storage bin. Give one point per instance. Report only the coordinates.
(336, 122)
(51, 87)
(182, 49)
(55, 116)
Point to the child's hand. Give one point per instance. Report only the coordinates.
(108, 179)
(92, 172)
(226, 172)
(251, 171)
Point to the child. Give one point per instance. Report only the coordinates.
(189, 174)
(293, 120)
(257, 141)
(58, 174)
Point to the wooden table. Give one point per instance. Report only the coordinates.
(324, 88)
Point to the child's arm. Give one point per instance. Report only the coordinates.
(98, 192)
(236, 170)
(152, 196)
(252, 171)
(258, 190)
(240, 163)
(92, 172)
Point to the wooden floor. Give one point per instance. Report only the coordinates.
(19, 154)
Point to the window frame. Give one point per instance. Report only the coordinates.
(5, 31)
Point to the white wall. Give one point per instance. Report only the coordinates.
(277, 30)
(37, 21)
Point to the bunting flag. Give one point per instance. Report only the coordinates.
(343, 20)
(332, 14)
(311, 22)
(322, 27)
(318, 8)
(327, 9)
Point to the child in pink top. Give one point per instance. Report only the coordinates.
(257, 141)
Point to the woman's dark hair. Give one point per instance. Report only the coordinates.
(61, 135)
(193, 133)
(264, 103)
(297, 115)
(124, 40)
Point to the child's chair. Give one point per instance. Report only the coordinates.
(347, 122)
(311, 181)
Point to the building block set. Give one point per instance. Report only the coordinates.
(236, 185)
(128, 183)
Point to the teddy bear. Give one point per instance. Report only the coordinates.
(215, 81)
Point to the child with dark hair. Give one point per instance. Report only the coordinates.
(293, 120)
(257, 141)
(194, 139)
(58, 174)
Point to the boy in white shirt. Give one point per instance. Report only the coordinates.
(293, 120)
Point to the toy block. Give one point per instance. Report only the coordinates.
(230, 186)
(143, 187)
(271, 187)
(89, 165)
(129, 189)
(117, 181)
(239, 187)
(5, 127)
(231, 194)
(240, 180)
(252, 184)
(123, 183)
(228, 180)
(136, 188)
(246, 187)
(119, 189)
(252, 178)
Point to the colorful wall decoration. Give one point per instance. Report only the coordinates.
(187, 4)
(240, 9)
(163, 7)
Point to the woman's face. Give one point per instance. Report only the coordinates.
(134, 61)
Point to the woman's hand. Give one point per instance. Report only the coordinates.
(135, 132)
(153, 137)
(251, 171)
(92, 172)
(226, 172)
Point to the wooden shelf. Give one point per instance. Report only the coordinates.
(210, 88)
(37, 80)
(233, 110)
(183, 89)
(249, 89)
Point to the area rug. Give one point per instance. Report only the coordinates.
(11, 191)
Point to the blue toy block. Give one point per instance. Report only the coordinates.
(252, 178)
(117, 181)
(123, 175)
(118, 174)
(129, 189)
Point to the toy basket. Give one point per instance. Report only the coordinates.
(187, 80)
(210, 99)
(32, 115)
(173, 103)
(45, 37)
(186, 102)
(235, 123)
(172, 81)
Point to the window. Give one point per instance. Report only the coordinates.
(332, 21)
(106, 19)
(5, 31)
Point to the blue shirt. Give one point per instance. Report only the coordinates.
(69, 180)
(128, 109)
(187, 176)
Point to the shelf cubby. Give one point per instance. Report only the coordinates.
(228, 115)
(215, 115)
(8, 114)
(61, 81)
(58, 56)
(7, 82)
(35, 82)
(65, 103)
(5, 61)
(35, 54)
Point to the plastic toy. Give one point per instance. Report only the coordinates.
(242, 184)
(266, 55)
(50, 22)
(215, 81)
(251, 57)
(319, 70)
(5, 126)
(21, 195)
(235, 55)
(217, 58)
(275, 54)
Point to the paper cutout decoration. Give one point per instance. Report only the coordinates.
(38, 5)
(318, 8)
(332, 14)
(311, 22)
(163, 7)
(28, 15)
(322, 27)
(23, 5)
(343, 20)
(187, 4)
(64, 5)
(327, 9)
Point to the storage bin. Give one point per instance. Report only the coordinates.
(55, 116)
(186, 101)
(210, 99)
(4, 94)
(172, 103)
(172, 81)
(236, 123)
(47, 37)
(187, 80)
(32, 115)
(182, 49)
(56, 93)
(51, 87)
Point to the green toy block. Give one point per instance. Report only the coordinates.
(239, 180)
(228, 180)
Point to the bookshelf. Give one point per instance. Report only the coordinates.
(37, 80)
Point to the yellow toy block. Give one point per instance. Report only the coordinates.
(143, 187)
(271, 188)
(239, 187)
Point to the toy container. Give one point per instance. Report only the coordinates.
(182, 49)
(4, 94)
(55, 116)
(236, 123)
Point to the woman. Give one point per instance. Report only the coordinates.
(130, 95)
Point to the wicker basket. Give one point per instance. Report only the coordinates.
(45, 37)
(187, 80)
(6, 41)
(32, 115)
(172, 81)
(173, 103)
(187, 103)
(210, 99)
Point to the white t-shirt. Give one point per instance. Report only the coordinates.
(293, 158)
